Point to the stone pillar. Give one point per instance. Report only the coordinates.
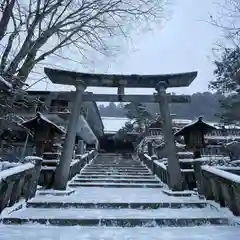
(81, 147)
(174, 172)
(150, 149)
(97, 145)
(62, 171)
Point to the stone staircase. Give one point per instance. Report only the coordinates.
(117, 198)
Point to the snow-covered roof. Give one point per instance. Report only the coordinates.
(181, 121)
(44, 119)
(12, 125)
(199, 123)
(113, 124)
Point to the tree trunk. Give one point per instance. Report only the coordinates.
(6, 15)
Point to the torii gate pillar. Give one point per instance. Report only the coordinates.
(174, 172)
(62, 170)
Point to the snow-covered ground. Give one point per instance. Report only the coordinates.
(40, 232)
(37, 232)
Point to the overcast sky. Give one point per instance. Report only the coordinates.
(183, 44)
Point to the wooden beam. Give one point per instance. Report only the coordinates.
(89, 96)
(133, 98)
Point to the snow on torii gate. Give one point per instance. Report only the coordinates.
(160, 82)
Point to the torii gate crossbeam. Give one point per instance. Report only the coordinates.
(134, 98)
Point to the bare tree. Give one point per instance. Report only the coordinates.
(6, 8)
(228, 19)
(41, 28)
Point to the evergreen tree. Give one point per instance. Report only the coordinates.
(225, 82)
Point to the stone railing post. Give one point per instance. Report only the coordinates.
(35, 176)
(154, 157)
(150, 149)
(80, 147)
(198, 176)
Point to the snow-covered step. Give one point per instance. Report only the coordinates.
(116, 205)
(115, 168)
(40, 232)
(83, 173)
(116, 162)
(121, 164)
(112, 180)
(115, 185)
(129, 171)
(90, 176)
(120, 217)
(119, 169)
(144, 170)
(126, 195)
(96, 161)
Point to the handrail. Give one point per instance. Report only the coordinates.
(160, 169)
(222, 187)
(19, 182)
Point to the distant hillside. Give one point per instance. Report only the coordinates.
(203, 104)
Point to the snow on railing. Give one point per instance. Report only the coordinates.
(84, 159)
(223, 174)
(48, 172)
(222, 187)
(19, 182)
(6, 165)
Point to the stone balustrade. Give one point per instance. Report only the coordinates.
(160, 169)
(48, 172)
(218, 183)
(19, 182)
(81, 160)
(222, 187)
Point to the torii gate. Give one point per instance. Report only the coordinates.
(160, 82)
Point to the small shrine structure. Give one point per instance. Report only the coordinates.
(193, 135)
(14, 139)
(45, 132)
